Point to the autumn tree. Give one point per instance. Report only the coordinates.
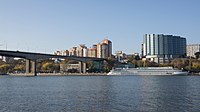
(50, 66)
(180, 63)
(4, 68)
(64, 65)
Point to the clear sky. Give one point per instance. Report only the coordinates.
(50, 25)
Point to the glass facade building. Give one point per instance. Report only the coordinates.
(161, 48)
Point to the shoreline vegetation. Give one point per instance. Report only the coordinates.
(60, 74)
(74, 74)
(51, 67)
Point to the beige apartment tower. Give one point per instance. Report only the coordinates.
(104, 49)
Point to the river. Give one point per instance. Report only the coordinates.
(100, 94)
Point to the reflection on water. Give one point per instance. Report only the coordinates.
(100, 93)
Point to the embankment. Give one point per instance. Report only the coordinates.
(61, 74)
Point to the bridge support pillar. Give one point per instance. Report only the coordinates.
(82, 66)
(34, 67)
(28, 66)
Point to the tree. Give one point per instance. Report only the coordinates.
(110, 63)
(50, 66)
(134, 62)
(19, 67)
(4, 68)
(197, 54)
(63, 65)
(131, 58)
(152, 64)
(140, 63)
(196, 65)
(1, 62)
(180, 63)
(137, 57)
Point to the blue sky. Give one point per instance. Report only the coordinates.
(50, 25)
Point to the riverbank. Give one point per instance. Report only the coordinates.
(73, 74)
(61, 74)
(195, 74)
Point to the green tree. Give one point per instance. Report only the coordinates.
(110, 63)
(197, 54)
(137, 57)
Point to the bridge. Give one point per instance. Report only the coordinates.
(33, 57)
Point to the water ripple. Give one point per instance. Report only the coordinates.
(100, 94)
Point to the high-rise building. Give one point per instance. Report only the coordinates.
(109, 47)
(92, 52)
(99, 50)
(162, 48)
(73, 52)
(104, 49)
(81, 50)
(66, 53)
(192, 49)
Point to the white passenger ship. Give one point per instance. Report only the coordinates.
(147, 71)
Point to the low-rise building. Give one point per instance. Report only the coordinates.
(192, 49)
(120, 56)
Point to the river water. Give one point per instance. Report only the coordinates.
(100, 94)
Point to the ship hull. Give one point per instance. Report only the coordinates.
(147, 71)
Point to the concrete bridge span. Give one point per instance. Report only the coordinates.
(31, 58)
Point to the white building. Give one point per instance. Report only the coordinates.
(192, 49)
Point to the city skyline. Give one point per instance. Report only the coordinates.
(48, 26)
(98, 50)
